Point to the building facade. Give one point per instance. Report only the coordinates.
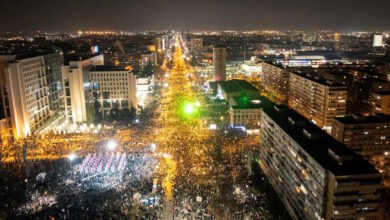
(379, 102)
(317, 99)
(26, 81)
(77, 89)
(315, 176)
(196, 46)
(369, 136)
(116, 87)
(219, 62)
(247, 112)
(275, 82)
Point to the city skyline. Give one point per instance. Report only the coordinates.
(219, 15)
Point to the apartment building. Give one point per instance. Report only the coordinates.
(317, 99)
(315, 176)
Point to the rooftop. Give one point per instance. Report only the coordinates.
(237, 85)
(323, 148)
(77, 57)
(360, 119)
(252, 103)
(318, 79)
(107, 68)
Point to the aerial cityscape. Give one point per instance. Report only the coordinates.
(195, 109)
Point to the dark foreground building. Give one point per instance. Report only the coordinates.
(315, 176)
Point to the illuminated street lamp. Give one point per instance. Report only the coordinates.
(71, 156)
(197, 104)
(153, 146)
(111, 145)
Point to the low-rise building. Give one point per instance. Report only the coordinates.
(247, 112)
(236, 88)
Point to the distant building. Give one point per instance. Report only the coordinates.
(317, 99)
(160, 44)
(144, 87)
(377, 40)
(219, 62)
(369, 136)
(380, 102)
(115, 87)
(31, 91)
(77, 90)
(275, 82)
(315, 176)
(196, 46)
(147, 58)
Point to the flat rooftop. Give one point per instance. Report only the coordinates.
(322, 147)
(107, 68)
(360, 119)
(236, 85)
(251, 103)
(318, 79)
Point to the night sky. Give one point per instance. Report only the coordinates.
(130, 15)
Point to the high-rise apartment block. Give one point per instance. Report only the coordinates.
(196, 46)
(219, 62)
(367, 135)
(317, 99)
(315, 176)
(275, 82)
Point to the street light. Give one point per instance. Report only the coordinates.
(111, 145)
(71, 156)
(153, 146)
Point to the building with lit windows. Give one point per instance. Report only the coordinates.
(115, 87)
(30, 91)
(275, 82)
(317, 99)
(219, 62)
(77, 88)
(315, 176)
(246, 112)
(377, 40)
(379, 102)
(369, 136)
(196, 46)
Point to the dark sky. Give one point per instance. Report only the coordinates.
(72, 15)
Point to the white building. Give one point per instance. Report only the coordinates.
(116, 87)
(25, 93)
(377, 40)
(144, 87)
(75, 76)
